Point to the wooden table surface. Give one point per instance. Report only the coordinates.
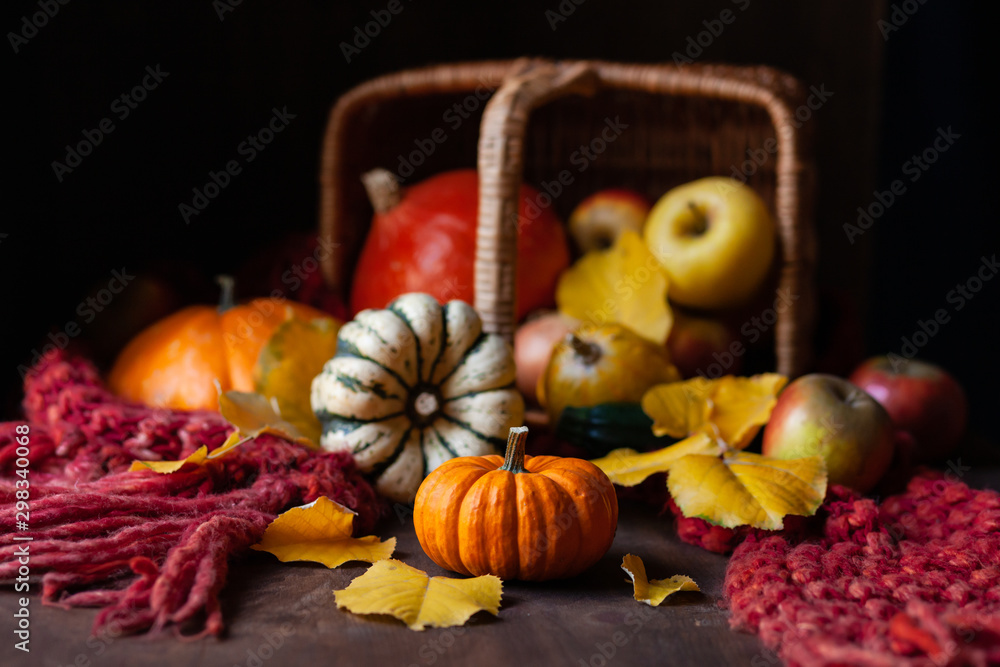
(284, 614)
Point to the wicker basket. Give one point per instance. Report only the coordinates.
(674, 123)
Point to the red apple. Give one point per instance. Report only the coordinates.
(922, 399)
(828, 416)
(601, 218)
(699, 345)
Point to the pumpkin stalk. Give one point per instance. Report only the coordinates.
(226, 297)
(383, 190)
(589, 353)
(514, 458)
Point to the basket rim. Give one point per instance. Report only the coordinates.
(766, 87)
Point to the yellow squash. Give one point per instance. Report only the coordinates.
(605, 364)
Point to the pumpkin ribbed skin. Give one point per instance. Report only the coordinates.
(412, 386)
(176, 362)
(552, 520)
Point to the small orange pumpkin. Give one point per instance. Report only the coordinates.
(520, 517)
(175, 362)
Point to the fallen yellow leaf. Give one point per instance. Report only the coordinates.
(394, 588)
(742, 405)
(321, 532)
(288, 362)
(197, 457)
(234, 440)
(679, 409)
(743, 488)
(625, 284)
(656, 591)
(254, 414)
(626, 467)
(731, 409)
(251, 414)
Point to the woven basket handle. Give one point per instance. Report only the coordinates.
(501, 164)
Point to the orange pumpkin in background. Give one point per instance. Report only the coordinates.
(176, 362)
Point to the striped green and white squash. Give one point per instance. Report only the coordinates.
(414, 385)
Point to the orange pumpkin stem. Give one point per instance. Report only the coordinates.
(228, 286)
(383, 190)
(589, 353)
(514, 459)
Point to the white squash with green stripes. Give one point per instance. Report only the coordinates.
(414, 385)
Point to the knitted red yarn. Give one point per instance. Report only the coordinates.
(914, 581)
(95, 525)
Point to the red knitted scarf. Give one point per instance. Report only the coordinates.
(914, 581)
(152, 550)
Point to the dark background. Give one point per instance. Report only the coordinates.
(119, 208)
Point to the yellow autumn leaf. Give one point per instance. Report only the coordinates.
(254, 414)
(742, 405)
(732, 409)
(624, 284)
(394, 588)
(679, 409)
(321, 532)
(197, 457)
(656, 591)
(234, 440)
(288, 362)
(626, 467)
(747, 489)
(251, 414)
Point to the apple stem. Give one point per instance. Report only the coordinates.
(701, 220)
(589, 353)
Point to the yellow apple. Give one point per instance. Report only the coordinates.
(715, 238)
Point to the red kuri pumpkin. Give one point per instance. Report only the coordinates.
(423, 239)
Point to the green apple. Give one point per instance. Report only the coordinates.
(828, 416)
(716, 239)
